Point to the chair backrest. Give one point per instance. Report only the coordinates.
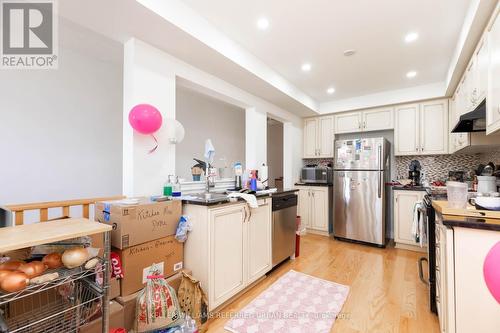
(43, 208)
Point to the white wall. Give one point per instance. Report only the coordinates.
(204, 118)
(275, 151)
(61, 130)
(150, 76)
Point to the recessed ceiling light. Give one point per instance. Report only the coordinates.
(330, 90)
(411, 37)
(349, 53)
(306, 67)
(263, 23)
(411, 74)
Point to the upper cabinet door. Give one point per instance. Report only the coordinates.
(325, 137)
(310, 138)
(406, 136)
(493, 100)
(482, 64)
(378, 119)
(349, 122)
(434, 127)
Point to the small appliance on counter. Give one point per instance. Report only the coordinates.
(414, 172)
(317, 174)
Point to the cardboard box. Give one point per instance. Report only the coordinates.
(141, 223)
(166, 253)
(114, 288)
(129, 302)
(116, 320)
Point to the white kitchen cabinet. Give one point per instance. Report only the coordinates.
(404, 203)
(422, 129)
(313, 208)
(304, 206)
(319, 205)
(318, 137)
(476, 309)
(363, 121)
(259, 241)
(378, 119)
(445, 277)
(227, 251)
(481, 71)
(493, 100)
(406, 133)
(348, 122)
(434, 127)
(229, 247)
(325, 137)
(457, 141)
(310, 138)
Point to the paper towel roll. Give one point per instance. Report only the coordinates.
(264, 175)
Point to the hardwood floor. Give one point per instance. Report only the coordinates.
(386, 294)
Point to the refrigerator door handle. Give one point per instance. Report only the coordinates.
(379, 186)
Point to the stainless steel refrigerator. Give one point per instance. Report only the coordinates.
(361, 170)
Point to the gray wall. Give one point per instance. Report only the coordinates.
(206, 118)
(61, 130)
(274, 150)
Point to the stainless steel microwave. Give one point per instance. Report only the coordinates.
(322, 175)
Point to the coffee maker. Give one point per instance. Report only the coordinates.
(414, 173)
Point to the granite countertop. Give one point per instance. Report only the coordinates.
(408, 188)
(467, 218)
(314, 184)
(278, 193)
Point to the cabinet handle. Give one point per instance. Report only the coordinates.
(312, 194)
(364, 124)
(359, 125)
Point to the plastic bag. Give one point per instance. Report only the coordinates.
(182, 229)
(157, 304)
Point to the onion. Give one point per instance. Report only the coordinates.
(52, 260)
(14, 281)
(74, 257)
(32, 269)
(11, 265)
(3, 272)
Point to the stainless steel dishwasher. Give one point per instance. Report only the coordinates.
(284, 225)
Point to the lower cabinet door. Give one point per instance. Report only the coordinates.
(227, 253)
(319, 210)
(304, 207)
(403, 215)
(259, 241)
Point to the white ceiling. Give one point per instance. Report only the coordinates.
(319, 31)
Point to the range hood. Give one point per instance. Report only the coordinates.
(474, 121)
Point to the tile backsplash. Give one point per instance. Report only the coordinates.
(436, 167)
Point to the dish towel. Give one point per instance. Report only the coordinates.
(209, 151)
(249, 198)
(418, 227)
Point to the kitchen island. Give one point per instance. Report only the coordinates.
(230, 245)
(463, 239)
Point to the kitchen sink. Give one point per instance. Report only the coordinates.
(209, 197)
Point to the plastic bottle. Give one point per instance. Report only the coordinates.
(176, 188)
(167, 188)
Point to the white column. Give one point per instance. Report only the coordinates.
(146, 80)
(255, 138)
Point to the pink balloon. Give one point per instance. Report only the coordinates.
(491, 271)
(145, 118)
